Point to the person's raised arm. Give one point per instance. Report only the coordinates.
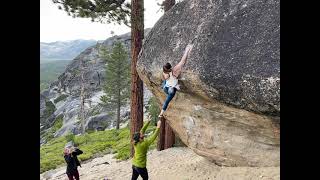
(77, 152)
(177, 69)
(164, 76)
(155, 134)
(145, 126)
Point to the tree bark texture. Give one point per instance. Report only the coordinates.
(118, 106)
(169, 136)
(137, 35)
(161, 138)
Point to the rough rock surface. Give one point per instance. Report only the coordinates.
(47, 109)
(42, 109)
(94, 122)
(228, 108)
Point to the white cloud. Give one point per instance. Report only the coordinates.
(56, 25)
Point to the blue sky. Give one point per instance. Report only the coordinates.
(56, 25)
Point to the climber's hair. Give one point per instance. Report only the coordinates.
(136, 137)
(167, 68)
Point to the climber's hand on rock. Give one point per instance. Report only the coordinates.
(158, 124)
(189, 47)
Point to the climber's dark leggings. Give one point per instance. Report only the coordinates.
(170, 91)
(136, 171)
(74, 174)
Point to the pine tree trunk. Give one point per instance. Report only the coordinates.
(167, 137)
(137, 35)
(161, 138)
(82, 98)
(119, 105)
(118, 95)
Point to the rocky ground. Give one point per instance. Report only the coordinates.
(178, 163)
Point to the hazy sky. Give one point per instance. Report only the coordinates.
(56, 25)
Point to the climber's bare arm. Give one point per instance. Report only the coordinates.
(177, 69)
(165, 76)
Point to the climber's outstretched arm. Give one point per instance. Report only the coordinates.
(177, 69)
(164, 76)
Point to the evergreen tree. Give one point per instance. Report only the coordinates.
(166, 4)
(105, 11)
(137, 35)
(131, 15)
(117, 83)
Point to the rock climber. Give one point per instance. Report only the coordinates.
(170, 76)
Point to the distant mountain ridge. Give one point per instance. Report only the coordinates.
(64, 50)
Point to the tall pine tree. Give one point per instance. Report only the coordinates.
(117, 11)
(121, 12)
(116, 86)
(137, 35)
(167, 4)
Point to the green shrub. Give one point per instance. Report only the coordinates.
(49, 134)
(85, 156)
(123, 153)
(51, 154)
(58, 123)
(50, 108)
(94, 111)
(89, 131)
(60, 98)
(70, 137)
(153, 109)
(124, 133)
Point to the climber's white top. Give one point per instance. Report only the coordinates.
(172, 81)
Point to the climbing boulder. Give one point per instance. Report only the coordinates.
(228, 108)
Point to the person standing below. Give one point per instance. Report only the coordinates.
(141, 146)
(70, 156)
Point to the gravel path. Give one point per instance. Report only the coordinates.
(172, 164)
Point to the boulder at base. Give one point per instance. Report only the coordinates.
(228, 108)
